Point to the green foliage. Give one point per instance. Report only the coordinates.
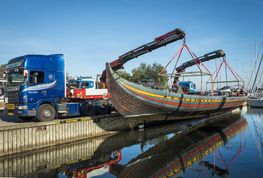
(148, 75)
(124, 74)
(2, 68)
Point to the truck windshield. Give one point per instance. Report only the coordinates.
(15, 78)
(86, 84)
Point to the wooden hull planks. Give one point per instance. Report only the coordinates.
(133, 100)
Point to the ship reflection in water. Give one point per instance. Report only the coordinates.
(231, 147)
(173, 156)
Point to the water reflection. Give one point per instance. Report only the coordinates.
(174, 155)
(169, 150)
(255, 117)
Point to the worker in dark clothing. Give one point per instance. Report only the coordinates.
(176, 87)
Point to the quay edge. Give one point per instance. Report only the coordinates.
(24, 137)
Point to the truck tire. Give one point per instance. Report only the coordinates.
(26, 118)
(46, 112)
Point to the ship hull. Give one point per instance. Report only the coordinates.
(255, 102)
(132, 100)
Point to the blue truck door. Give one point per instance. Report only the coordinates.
(40, 87)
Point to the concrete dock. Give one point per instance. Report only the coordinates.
(17, 136)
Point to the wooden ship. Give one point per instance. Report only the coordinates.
(131, 99)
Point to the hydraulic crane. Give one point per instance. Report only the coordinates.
(195, 61)
(158, 42)
(91, 92)
(204, 58)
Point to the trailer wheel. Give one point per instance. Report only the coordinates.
(46, 112)
(26, 118)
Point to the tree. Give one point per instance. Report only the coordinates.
(150, 75)
(123, 74)
(2, 70)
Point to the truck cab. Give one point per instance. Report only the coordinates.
(35, 84)
(188, 87)
(83, 88)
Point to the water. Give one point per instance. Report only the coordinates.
(232, 147)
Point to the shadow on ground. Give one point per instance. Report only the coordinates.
(8, 119)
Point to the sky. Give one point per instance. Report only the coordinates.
(92, 32)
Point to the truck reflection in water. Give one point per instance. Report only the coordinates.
(95, 167)
(172, 151)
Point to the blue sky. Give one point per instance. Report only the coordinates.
(91, 33)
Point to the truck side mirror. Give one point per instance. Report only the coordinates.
(25, 73)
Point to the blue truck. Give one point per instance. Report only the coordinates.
(188, 87)
(36, 88)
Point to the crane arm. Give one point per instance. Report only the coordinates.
(204, 58)
(158, 42)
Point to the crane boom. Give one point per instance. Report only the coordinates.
(158, 42)
(204, 58)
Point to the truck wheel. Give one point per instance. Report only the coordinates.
(26, 118)
(46, 112)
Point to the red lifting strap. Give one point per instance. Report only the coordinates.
(192, 54)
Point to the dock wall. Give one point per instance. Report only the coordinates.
(48, 160)
(28, 136)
